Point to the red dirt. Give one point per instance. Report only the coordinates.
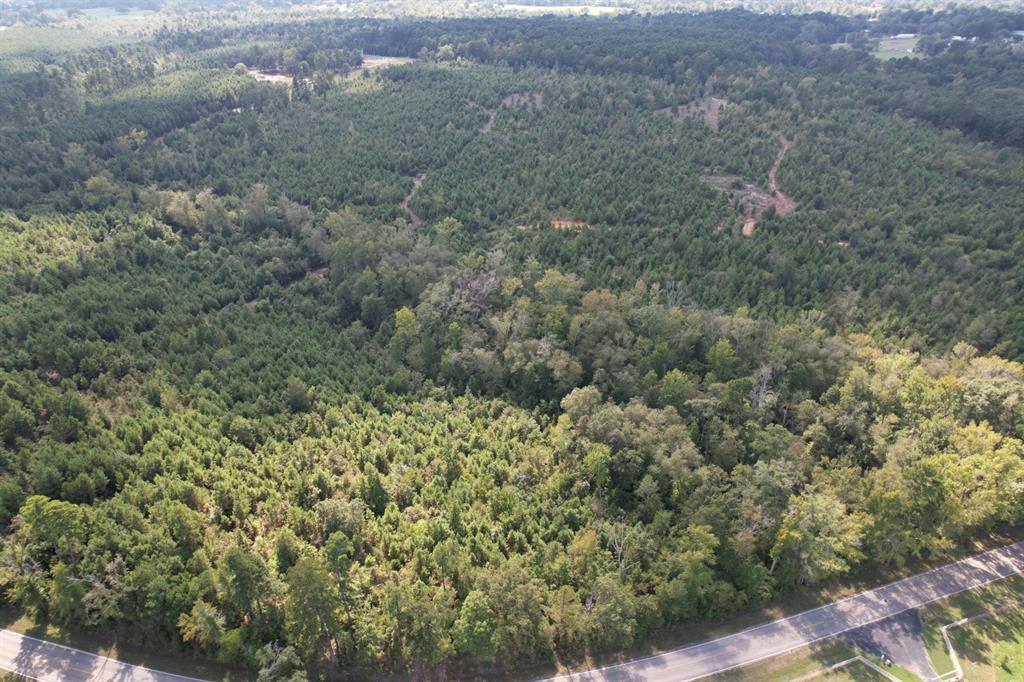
(569, 224)
(784, 204)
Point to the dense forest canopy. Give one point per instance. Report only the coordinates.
(421, 345)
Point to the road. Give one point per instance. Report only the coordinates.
(778, 637)
(49, 662)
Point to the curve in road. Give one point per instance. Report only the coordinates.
(824, 622)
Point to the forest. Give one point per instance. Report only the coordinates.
(339, 347)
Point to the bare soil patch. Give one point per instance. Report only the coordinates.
(376, 61)
(271, 76)
(563, 223)
(371, 62)
(752, 199)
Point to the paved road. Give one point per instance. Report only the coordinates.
(49, 662)
(899, 638)
(780, 636)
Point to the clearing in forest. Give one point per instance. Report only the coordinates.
(376, 61)
(563, 223)
(270, 76)
(897, 47)
(371, 62)
(753, 200)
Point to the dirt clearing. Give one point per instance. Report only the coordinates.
(563, 223)
(753, 200)
(377, 61)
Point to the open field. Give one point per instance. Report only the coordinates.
(894, 48)
(23, 48)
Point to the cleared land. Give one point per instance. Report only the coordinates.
(894, 48)
(753, 200)
(376, 61)
(371, 62)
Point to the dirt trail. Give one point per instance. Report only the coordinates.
(416, 184)
(786, 144)
(784, 204)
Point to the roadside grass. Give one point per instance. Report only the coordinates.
(857, 672)
(992, 648)
(796, 664)
(804, 663)
(115, 645)
(964, 605)
(894, 670)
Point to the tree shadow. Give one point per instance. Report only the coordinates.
(46, 649)
(974, 642)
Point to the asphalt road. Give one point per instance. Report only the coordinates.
(39, 660)
(899, 638)
(824, 622)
